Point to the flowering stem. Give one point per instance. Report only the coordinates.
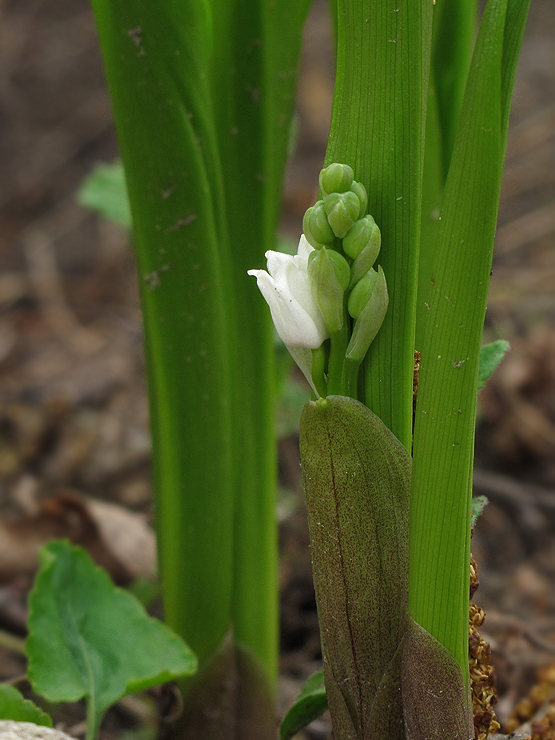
(318, 371)
(350, 374)
(336, 366)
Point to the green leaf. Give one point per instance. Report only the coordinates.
(479, 503)
(14, 706)
(377, 127)
(105, 192)
(490, 357)
(253, 77)
(309, 705)
(454, 31)
(356, 476)
(458, 280)
(156, 57)
(88, 638)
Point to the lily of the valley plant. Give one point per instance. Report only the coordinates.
(203, 93)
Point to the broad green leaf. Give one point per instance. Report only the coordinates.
(105, 192)
(490, 356)
(157, 60)
(454, 31)
(458, 280)
(88, 638)
(253, 81)
(309, 705)
(14, 706)
(356, 477)
(377, 127)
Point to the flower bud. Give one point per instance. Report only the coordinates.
(370, 318)
(360, 294)
(328, 273)
(360, 190)
(336, 178)
(363, 233)
(342, 210)
(316, 227)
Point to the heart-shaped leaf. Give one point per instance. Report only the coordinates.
(14, 706)
(88, 638)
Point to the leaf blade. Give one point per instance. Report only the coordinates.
(377, 127)
(490, 356)
(88, 638)
(310, 704)
(105, 192)
(446, 409)
(13, 706)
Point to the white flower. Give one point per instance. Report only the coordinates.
(286, 288)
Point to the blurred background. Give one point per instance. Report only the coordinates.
(74, 441)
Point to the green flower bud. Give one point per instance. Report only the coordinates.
(336, 178)
(316, 227)
(363, 233)
(367, 257)
(360, 294)
(342, 210)
(360, 190)
(341, 267)
(369, 320)
(328, 274)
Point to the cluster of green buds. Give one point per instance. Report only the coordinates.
(351, 295)
(329, 289)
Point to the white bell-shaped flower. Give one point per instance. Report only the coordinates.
(286, 288)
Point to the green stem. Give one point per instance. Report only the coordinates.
(350, 374)
(93, 720)
(319, 357)
(336, 367)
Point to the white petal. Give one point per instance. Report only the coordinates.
(276, 261)
(299, 287)
(256, 273)
(304, 248)
(286, 288)
(293, 324)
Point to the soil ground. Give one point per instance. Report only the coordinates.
(73, 409)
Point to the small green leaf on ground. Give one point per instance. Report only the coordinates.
(490, 357)
(479, 503)
(309, 705)
(105, 192)
(88, 638)
(14, 706)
